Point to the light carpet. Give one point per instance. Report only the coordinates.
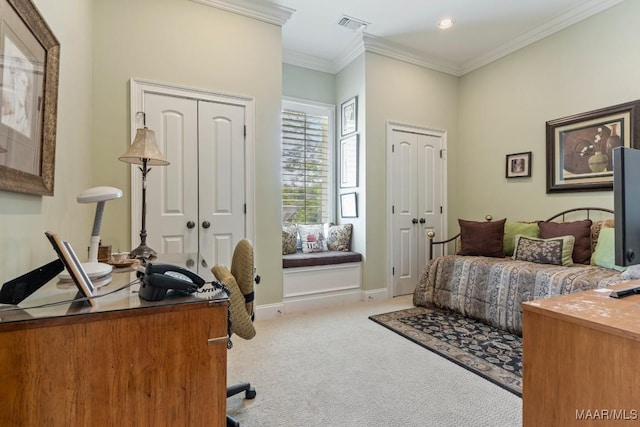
(335, 367)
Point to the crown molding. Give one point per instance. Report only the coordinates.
(311, 62)
(263, 11)
(576, 15)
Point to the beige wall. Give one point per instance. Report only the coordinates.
(25, 218)
(312, 85)
(504, 107)
(189, 44)
(401, 92)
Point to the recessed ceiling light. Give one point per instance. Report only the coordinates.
(445, 23)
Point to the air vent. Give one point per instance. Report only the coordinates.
(352, 23)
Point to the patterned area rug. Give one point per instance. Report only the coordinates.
(482, 349)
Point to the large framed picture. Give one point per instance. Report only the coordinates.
(579, 147)
(29, 63)
(349, 116)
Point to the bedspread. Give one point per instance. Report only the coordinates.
(491, 289)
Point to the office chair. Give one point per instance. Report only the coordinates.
(240, 282)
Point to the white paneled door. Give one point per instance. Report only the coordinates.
(196, 204)
(417, 203)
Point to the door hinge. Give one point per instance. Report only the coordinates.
(440, 209)
(393, 209)
(393, 148)
(393, 271)
(245, 208)
(442, 151)
(245, 134)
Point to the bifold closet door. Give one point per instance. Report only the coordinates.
(196, 204)
(416, 201)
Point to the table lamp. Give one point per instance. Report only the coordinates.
(144, 151)
(98, 195)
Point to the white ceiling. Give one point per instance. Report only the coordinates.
(484, 30)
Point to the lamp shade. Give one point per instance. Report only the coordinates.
(144, 147)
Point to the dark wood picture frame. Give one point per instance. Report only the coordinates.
(518, 165)
(349, 116)
(579, 147)
(29, 60)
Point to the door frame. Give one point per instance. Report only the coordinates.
(403, 127)
(138, 88)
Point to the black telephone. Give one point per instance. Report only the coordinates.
(157, 279)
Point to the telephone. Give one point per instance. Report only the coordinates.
(157, 279)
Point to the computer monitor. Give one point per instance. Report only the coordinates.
(626, 205)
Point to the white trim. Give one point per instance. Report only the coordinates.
(262, 11)
(138, 88)
(403, 127)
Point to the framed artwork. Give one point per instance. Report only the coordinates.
(348, 205)
(349, 161)
(579, 147)
(349, 116)
(518, 165)
(29, 64)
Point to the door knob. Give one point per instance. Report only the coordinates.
(414, 221)
(191, 224)
(206, 224)
(422, 220)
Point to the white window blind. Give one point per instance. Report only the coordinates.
(306, 164)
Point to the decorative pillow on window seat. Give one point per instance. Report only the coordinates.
(482, 238)
(313, 238)
(556, 251)
(581, 230)
(339, 237)
(289, 239)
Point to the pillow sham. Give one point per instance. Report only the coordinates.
(313, 238)
(556, 251)
(512, 229)
(289, 239)
(339, 237)
(604, 254)
(581, 230)
(482, 238)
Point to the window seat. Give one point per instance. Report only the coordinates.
(313, 259)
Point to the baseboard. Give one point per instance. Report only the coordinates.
(306, 303)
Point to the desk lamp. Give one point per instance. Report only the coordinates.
(99, 195)
(144, 151)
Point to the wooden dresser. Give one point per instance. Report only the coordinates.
(124, 362)
(582, 360)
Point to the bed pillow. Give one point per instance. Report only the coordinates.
(604, 254)
(595, 231)
(482, 238)
(581, 230)
(339, 237)
(512, 229)
(289, 239)
(313, 238)
(556, 251)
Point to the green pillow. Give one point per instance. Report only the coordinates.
(604, 254)
(511, 229)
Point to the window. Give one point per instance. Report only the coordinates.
(307, 162)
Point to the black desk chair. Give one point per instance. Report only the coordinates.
(240, 281)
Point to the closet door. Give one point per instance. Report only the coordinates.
(416, 204)
(196, 204)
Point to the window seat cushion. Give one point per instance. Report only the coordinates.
(300, 259)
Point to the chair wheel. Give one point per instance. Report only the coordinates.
(250, 394)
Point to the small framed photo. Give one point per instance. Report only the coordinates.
(348, 205)
(73, 265)
(519, 165)
(349, 116)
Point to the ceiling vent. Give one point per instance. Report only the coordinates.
(352, 23)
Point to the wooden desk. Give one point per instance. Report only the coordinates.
(581, 354)
(124, 362)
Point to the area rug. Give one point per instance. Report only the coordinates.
(482, 349)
